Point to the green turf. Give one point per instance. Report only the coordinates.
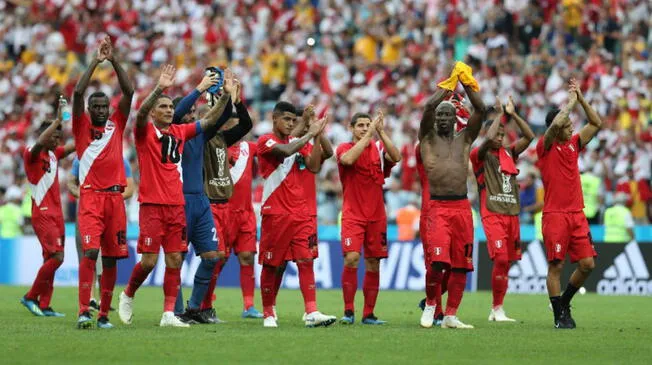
(611, 330)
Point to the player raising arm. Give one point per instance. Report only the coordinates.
(564, 225)
(159, 146)
(445, 157)
(102, 219)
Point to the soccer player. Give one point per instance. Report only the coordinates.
(41, 167)
(219, 188)
(565, 228)
(73, 188)
(363, 166)
(159, 146)
(285, 218)
(495, 170)
(243, 220)
(445, 157)
(199, 222)
(102, 219)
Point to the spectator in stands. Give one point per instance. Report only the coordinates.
(11, 215)
(618, 221)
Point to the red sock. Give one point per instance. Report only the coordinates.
(107, 283)
(444, 282)
(247, 284)
(433, 284)
(44, 282)
(86, 274)
(370, 288)
(138, 275)
(267, 279)
(349, 287)
(171, 284)
(278, 280)
(307, 285)
(499, 280)
(456, 285)
(207, 303)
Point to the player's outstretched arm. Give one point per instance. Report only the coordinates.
(73, 185)
(307, 118)
(185, 105)
(45, 137)
(560, 120)
(68, 149)
(123, 79)
(165, 80)
(78, 104)
(492, 131)
(527, 133)
(233, 135)
(213, 115)
(391, 152)
(326, 147)
(351, 156)
(595, 123)
(129, 189)
(286, 150)
(475, 121)
(428, 117)
(313, 161)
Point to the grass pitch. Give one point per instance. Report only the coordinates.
(611, 330)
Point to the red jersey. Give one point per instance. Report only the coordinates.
(362, 183)
(423, 178)
(561, 176)
(309, 181)
(159, 159)
(283, 191)
(99, 150)
(408, 167)
(241, 157)
(43, 179)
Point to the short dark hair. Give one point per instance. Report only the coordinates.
(97, 94)
(284, 106)
(44, 125)
(176, 101)
(357, 116)
(163, 96)
(551, 116)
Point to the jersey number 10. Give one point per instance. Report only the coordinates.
(169, 149)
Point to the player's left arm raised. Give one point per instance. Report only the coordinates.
(209, 120)
(45, 137)
(165, 80)
(475, 121)
(123, 79)
(391, 152)
(528, 135)
(595, 123)
(313, 161)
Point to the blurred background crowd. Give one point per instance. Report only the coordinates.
(346, 57)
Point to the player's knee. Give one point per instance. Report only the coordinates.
(501, 263)
(92, 254)
(212, 255)
(281, 269)
(210, 261)
(148, 261)
(57, 256)
(587, 265)
(173, 260)
(555, 267)
(352, 259)
(372, 264)
(221, 255)
(438, 266)
(109, 262)
(246, 258)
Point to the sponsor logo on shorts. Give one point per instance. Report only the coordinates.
(268, 255)
(499, 243)
(628, 274)
(529, 274)
(148, 241)
(347, 242)
(87, 238)
(437, 251)
(557, 247)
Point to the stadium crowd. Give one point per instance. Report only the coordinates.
(347, 57)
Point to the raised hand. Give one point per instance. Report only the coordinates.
(575, 87)
(237, 90)
(102, 50)
(107, 48)
(379, 122)
(572, 91)
(498, 106)
(316, 128)
(167, 76)
(509, 108)
(323, 122)
(309, 113)
(207, 81)
(228, 81)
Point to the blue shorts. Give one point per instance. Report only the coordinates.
(199, 224)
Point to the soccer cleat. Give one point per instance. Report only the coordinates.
(103, 323)
(125, 308)
(32, 306)
(270, 322)
(372, 319)
(438, 319)
(85, 321)
(498, 315)
(195, 316)
(170, 320)
(454, 322)
(318, 319)
(422, 304)
(349, 317)
(209, 316)
(275, 315)
(428, 315)
(565, 320)
(49, 312)
(251, 312)
(93, 305)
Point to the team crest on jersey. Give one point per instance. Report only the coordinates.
(109, 126)
(270, 143)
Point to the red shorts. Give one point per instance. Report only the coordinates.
(285, 236)
(503, 237)
(567, 233)
(450, 233)
(51, 232)
(313, 241)
(103, 223)
(162, 226)
(423, 228)
(224, 227)
(243, 238)
(370, 234)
